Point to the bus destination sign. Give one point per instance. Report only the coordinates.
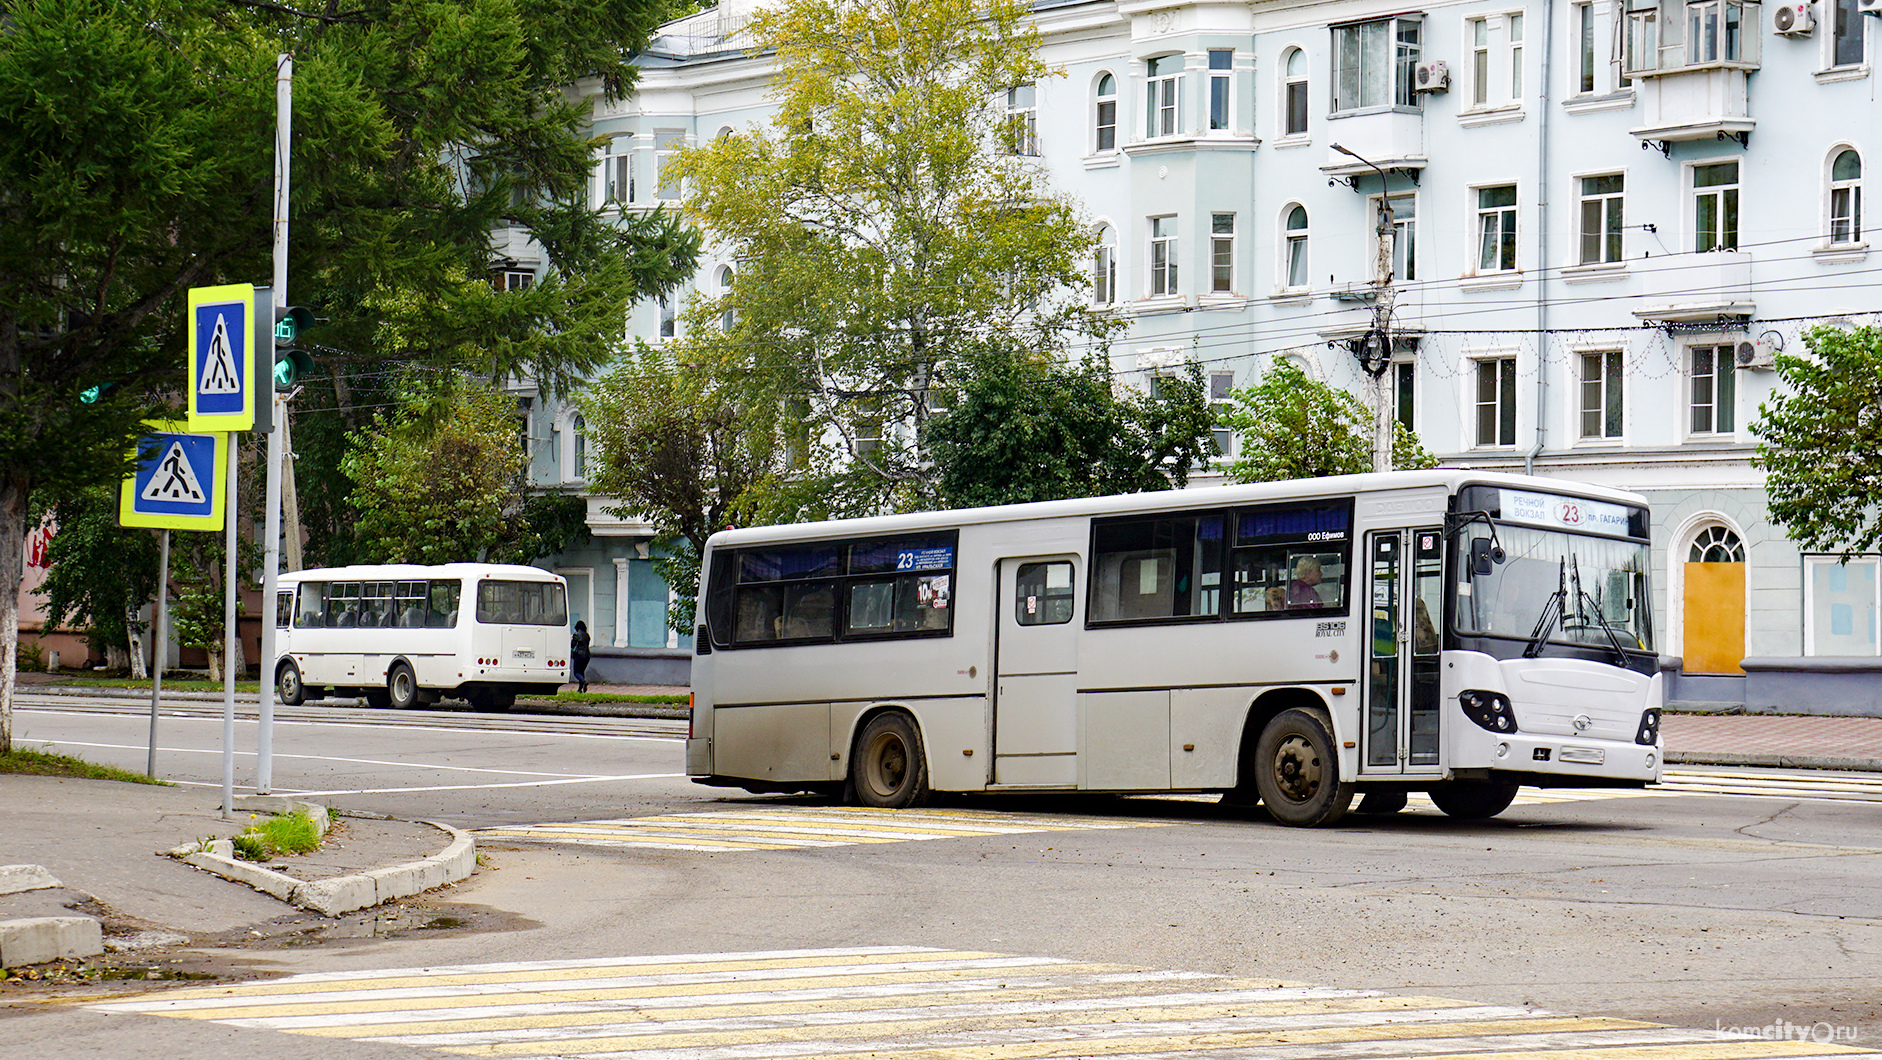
(941, 558)
(1565, 513)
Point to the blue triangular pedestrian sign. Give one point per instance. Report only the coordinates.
(220, 375)
(175, 480)
(179, 481)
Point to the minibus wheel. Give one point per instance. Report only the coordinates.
(402, 687)
(888, 769)
(288, 678)
(1298, 772)
(1474, 800)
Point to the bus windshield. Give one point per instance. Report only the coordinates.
(1584, 588)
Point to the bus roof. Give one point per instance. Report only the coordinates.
(1452, 479)
(392, 572)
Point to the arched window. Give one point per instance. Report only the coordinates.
(728, 317)
(1105, 115)
(1294, 92)
(1717, 544)
(1104, 267)
(578, 428)
(1296, 264)
(1846, 197)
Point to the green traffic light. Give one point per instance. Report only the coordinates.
(90, 395)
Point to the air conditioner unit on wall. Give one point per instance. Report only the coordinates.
(1760, 352)
(1795, 19)
(1869, 7)
(1434, 76)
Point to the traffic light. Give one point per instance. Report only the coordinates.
(290, 361)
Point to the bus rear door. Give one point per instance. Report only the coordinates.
(1035, 727)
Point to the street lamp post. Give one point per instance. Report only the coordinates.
(1375, 350)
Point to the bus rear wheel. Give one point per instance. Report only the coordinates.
(1298, 772)
(402, 687)
(888, 769)
(292, 692)
(1474, 800)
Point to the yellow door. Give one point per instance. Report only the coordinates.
(1715, 618)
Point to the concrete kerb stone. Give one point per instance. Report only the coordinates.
(341, 894)
(36, 940)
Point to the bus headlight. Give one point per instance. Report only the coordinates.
(1490, 710)
(1649, 733)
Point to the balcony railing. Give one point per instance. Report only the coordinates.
(1670, 36)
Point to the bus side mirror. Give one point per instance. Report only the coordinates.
(1482, 555)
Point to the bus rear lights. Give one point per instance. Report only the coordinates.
(1649, 733)
(1490, 710)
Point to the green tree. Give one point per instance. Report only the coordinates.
(1033, 429)
(1818, 440)
(1290, 426)
(98, 575)
(685, 446)
(886, 226)
(440, 478)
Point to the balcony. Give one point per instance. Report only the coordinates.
(1694, 288)
(1388, 137)
(1693, 59)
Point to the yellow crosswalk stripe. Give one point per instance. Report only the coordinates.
(783, 828)
(913, 1003)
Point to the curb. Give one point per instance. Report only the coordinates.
(1772, 761)
(38, 939)
(342, 894)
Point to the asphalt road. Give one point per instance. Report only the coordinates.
(1689, 908)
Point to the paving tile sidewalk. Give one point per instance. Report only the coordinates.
(1788, 740)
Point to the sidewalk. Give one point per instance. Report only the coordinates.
(1797, 741)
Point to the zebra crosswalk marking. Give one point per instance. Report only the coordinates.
(911, 1003)
(780, 828)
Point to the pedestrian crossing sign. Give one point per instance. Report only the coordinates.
(221, 363)
(180, 482)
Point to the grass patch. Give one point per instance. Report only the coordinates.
(170, 684)
(613, 697)
(281, 833)
(45, 764)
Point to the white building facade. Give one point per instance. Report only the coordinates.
(1601, 217)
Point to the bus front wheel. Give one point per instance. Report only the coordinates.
(1474, 800)
(1297, 770)
(402, 687)
(293, 693)
(888, 769)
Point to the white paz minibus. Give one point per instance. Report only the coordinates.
(1293, 643)
(403, 635)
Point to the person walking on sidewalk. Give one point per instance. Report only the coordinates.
(579, 655)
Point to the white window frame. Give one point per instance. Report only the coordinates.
(1163, 96)
(1402, 58)
(1101, 122)
(1022, 115)
(668, 305)
(1611, 207)
(1850, 217)
(1500, 222)
(1405, 388)
(1846, 14)
(1602, 395)
(1104, 266)
(1814, 564)
(728, 318)
(1722, 376)
(1494, 75)
(615, 173)
(1161, 259)
(1221, 382)
(1404, 235)
(1729, 196)
(667, 143)
(1296, 83)
(1221, 116)
(1296, 247)
(1221, 253)
(1477, 362)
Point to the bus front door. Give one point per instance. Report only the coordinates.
(1035, 722)
(1402, 708)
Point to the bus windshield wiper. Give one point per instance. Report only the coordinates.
(1551, 611)
(1584, 600)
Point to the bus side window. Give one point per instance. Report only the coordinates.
(1042, 594)
(312, 612)
(442, 611)
(343, 605)
(759, 608)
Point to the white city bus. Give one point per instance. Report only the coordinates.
(1292, 643)
(403, 635)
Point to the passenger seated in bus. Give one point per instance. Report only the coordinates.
(1304, 590)
(1277, 598)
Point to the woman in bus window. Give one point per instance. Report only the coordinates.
(1304, 590)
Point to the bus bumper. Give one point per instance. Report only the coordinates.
(699, 756)
(1577, 763)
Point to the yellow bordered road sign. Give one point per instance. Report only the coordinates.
(221, 361)
(180, 483)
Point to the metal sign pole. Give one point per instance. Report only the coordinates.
(271, 540)
(229, 635)
(160, 647)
